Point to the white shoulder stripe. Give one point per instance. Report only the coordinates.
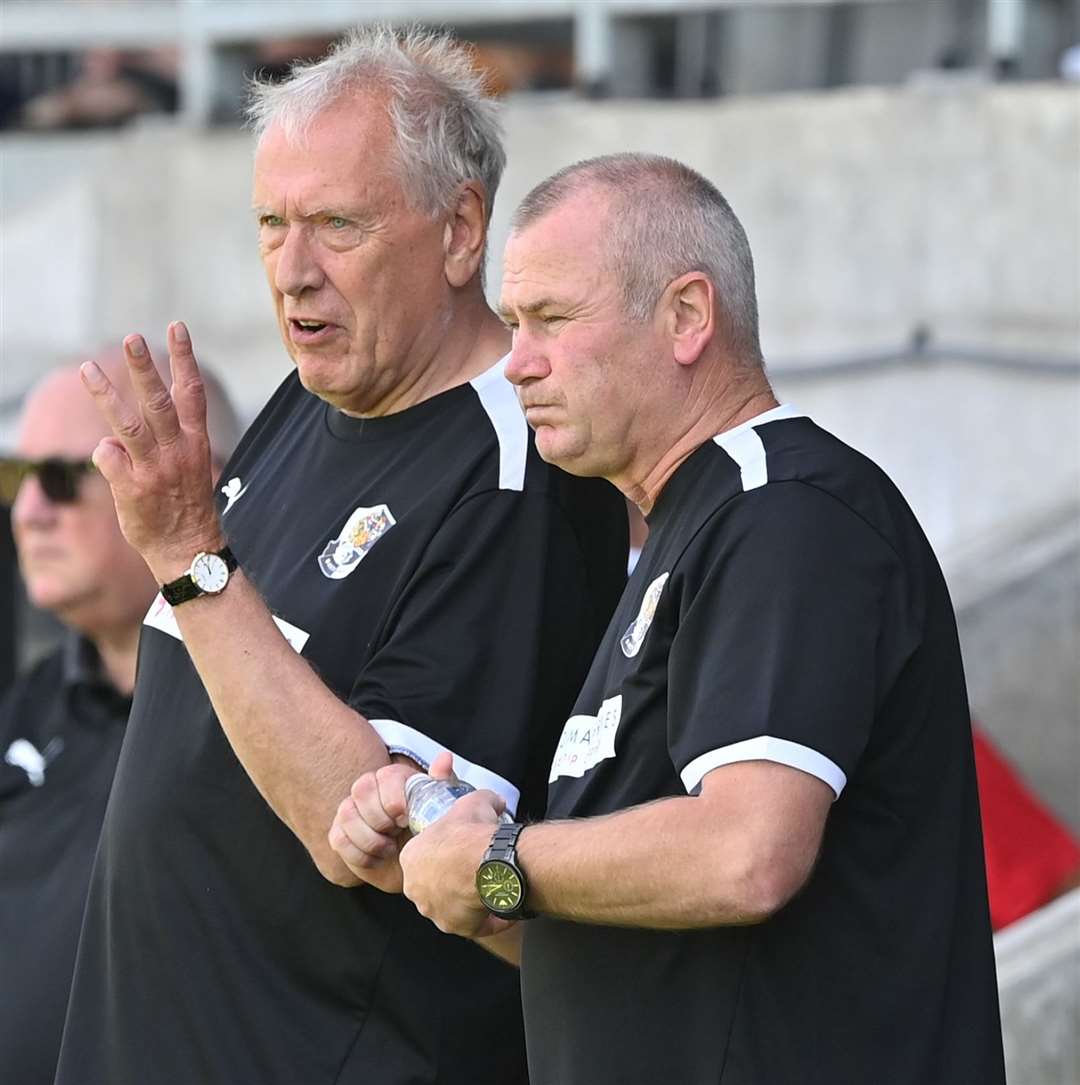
(744, 446)
(498, 398)
(748, 452)
(766, 748)
(400, 738)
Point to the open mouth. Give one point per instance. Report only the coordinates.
(308, 326)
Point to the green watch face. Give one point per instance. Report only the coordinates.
(499, 886)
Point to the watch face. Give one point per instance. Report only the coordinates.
(210, 573)
(499, 886)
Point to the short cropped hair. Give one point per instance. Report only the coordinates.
(447, 128)
(665, 219)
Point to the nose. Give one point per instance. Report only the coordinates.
(31, 507)
(296, 267)
(527, 360)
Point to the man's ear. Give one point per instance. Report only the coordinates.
(464, 235)
(688, 311)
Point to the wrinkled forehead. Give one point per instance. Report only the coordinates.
(345, 147)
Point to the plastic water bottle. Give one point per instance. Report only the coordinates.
(428, 799)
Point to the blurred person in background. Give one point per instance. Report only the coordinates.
(62, 723)
(110, 88)
(762, 858)
(393, 573)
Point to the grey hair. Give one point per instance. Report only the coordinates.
(664, 220)
(447, 128)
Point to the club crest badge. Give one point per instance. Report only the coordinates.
(361, 532)
(634, 636)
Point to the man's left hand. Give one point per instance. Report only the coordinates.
(158, 460)
(439, 867)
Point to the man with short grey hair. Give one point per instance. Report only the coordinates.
(391, 574)
(762, 858)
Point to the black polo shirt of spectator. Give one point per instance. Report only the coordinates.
(452, 587)
(786, 607)
(61, 727)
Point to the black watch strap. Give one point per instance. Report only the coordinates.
(504, 843)
(503, 848)
(183, 588)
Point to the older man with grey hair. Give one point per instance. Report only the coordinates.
(392, 574)
(762, 858)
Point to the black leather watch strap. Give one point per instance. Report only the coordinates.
(183, 588)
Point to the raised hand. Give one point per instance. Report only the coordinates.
(158, 460)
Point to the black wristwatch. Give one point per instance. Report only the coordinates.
(208, 575)
(499, 880)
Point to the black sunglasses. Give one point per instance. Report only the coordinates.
(58, 478)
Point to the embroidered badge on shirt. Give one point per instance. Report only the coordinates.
(23, 754)
(361, 532)
(634, 636)
(233, 491)
(587, 740)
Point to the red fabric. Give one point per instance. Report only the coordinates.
(1029, 853)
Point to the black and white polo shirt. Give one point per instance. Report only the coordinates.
(453, 587)
(786, 607)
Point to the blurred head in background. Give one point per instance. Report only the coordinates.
(375, 172)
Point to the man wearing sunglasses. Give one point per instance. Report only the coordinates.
(62, 723)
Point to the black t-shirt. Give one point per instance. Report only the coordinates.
(452, 587)
(61, 726)
(786, 607)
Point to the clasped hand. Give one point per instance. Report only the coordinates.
(436, 869)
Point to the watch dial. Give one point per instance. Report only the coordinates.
(499, 886)
(210, 572)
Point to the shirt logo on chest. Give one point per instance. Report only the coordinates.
(23, 754)
(361, 532)
(634, 636)
(233, 490)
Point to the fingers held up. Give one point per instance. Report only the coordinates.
(158, 459)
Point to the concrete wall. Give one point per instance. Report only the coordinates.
(1021, 643)
(1038, 961)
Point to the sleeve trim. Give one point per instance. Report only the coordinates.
(400, 738)
(766, 748)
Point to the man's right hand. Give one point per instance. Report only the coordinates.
(371, 826)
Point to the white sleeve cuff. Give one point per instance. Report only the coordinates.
(423, 750)
(766, 748)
